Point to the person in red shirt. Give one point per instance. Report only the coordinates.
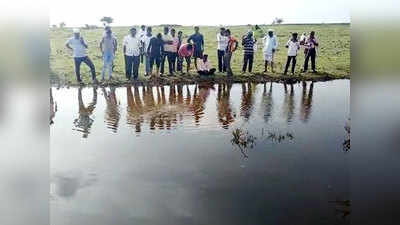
(185, 51)
(232, 46)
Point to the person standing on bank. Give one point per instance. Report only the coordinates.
(293, 46)
(78, 47)
(222, 42)
(179, 62)
(131, 48)
(145, 45)
(155, 50)
(175, 45)
(198, 44)
(142, 33)
(230, 48)
(310, 52)
(248, 51)
(168, 51)
(108, 47)
(270, 46)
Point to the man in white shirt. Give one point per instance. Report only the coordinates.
(270, 46)
(204, 67)
(168, 51)
(222, 43)
(131, 48)
(145, 43)
(142, 33)
(78, 47)
(293, 45)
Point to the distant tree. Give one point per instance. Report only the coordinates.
(277, 21)
(54, 26)
(62, 25)
(106, 20)
(89, 27)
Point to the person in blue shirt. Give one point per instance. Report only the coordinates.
(155, 50)
(198, 43)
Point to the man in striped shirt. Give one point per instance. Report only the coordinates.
(248, 51)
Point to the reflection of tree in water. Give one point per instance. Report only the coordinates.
(246, 106)
(288, 103)
(84, 122)
(267, 103)
(53, 107)
(112, 113)
(342, 208)
(223, 105)
(306, 102)
(244, 140)
(278, 137)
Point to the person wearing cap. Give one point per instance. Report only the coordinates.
(131, 48)
(248, 51)
(108, 47)
(270, 45)
(78, 47)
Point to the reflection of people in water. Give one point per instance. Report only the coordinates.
(267, 103)
(149, 104)
(288, 103)
(161, 99)
(188, 97)
(246, 106)
(112, 114)
(53, 107)
(84, 122)
(306, 102)
(223, 105)
(134, 109)
(200, 95)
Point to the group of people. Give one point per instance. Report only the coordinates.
(155, 50)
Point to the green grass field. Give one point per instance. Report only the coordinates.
(333, 56)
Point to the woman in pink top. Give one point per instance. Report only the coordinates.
(185, 51)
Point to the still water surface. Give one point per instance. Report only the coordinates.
(200, 154)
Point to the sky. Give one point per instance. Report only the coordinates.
(76, 13)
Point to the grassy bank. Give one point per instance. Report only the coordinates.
(333, 57)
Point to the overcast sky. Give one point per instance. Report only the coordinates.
(207, 12)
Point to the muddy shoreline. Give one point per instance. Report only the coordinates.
(195, 79)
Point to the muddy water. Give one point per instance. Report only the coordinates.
(200, 154)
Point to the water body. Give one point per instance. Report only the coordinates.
(200, 154)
